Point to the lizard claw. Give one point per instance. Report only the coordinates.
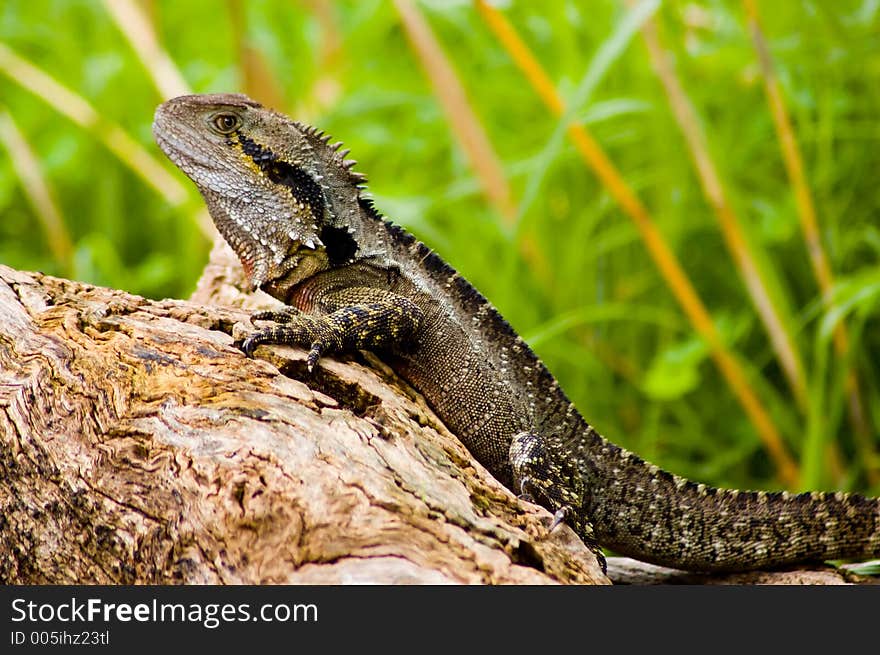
(525, 493)
(559, 517)
(248, 346)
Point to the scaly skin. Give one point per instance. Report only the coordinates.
(292, 209)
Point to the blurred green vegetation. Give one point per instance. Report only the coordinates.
(602, 317)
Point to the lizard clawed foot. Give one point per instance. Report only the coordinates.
(387, 321)
(548, 478)
(294, 335)
(250, 343)
(271, 335)
(528, 491)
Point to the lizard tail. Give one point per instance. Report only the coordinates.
(649, 514)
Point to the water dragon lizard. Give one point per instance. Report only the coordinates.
(294, 211)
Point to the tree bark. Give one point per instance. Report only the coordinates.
(139, 445)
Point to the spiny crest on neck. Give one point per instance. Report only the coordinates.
(334, 152)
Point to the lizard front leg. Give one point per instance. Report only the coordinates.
(552, 482)
(358, 318)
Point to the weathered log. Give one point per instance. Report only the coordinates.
(138, 445)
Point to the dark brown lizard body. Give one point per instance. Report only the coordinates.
(292, 209)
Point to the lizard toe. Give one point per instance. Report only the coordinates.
(314, 355)
(286, 315)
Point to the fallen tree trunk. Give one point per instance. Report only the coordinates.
(138, 445)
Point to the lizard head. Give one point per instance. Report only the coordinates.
(271, 184)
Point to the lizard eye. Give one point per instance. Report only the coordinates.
(226, 123)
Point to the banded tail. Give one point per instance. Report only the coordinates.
(643, 512)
